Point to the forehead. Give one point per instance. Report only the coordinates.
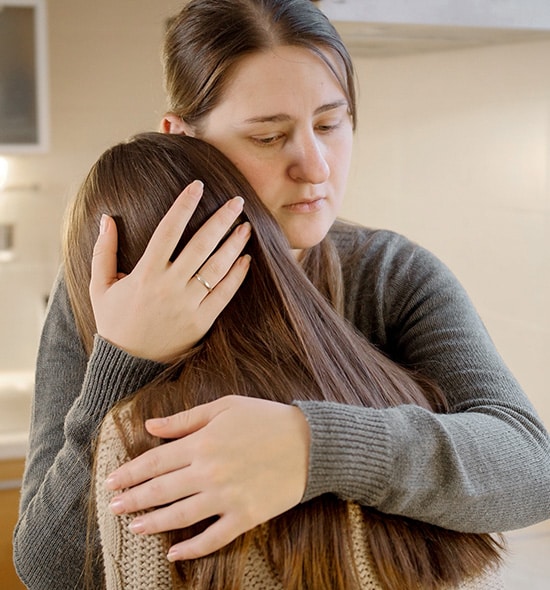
(284, 78)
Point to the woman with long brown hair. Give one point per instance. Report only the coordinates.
(279, 338)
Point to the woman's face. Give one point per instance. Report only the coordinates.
(284, 122)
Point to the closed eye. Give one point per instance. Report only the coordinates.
(267, 140)
(326, 128)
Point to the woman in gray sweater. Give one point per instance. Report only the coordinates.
(270, 84)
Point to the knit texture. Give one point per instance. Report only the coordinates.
(483, 467)
(138, 562)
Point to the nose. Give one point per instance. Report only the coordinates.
(308, 162)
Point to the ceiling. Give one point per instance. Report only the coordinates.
(396, 27)
(386, 40)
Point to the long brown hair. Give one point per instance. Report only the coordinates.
(207, 38)
(279, 338)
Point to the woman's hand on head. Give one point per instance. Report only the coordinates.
(160, 309)
(242, 459)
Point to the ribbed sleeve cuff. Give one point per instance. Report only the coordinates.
(350, 452)
(112, 374)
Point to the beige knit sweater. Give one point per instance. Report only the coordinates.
(138, 562)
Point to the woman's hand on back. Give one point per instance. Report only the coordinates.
(242, 459)
(160, 309)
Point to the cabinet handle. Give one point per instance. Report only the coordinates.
(10, 484)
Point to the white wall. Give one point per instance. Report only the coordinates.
(452, 150)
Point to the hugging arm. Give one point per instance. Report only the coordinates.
(482, 467)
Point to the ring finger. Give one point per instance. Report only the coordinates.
(218, 265)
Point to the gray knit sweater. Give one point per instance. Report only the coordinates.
(483, 467)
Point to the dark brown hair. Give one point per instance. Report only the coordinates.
(279, 338)
(207, 38)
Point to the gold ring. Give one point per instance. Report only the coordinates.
(203, 282)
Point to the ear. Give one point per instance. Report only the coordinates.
(172, 123)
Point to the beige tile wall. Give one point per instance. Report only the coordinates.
(452, 150)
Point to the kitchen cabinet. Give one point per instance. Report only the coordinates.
(527, 14)
(23, 77)
(11, 472)
(376, 28)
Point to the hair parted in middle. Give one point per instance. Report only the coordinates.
(207, 39)
(279, 338)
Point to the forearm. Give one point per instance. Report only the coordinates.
(484, 470)
(485, 465)
(49, 541)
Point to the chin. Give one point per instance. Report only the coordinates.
(303, 233)
(306, 239)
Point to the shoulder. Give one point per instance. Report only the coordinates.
(387, 276)
(378, 248)
(348, 235)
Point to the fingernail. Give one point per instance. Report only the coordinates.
(156, 422)
(236, 204)
(244, 229)
(111, 483)
(137, 527)
(172, 555)
(117, 506)
(103, 223)
(195, 188)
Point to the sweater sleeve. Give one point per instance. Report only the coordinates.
(136, 562)
(72, 396)
(482, 467)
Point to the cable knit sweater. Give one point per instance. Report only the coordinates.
(483, 467)
(138, 562)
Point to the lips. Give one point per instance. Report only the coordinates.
(306, 206)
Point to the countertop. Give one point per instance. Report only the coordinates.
(16, 393)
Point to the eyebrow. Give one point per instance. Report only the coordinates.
(281, 117)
